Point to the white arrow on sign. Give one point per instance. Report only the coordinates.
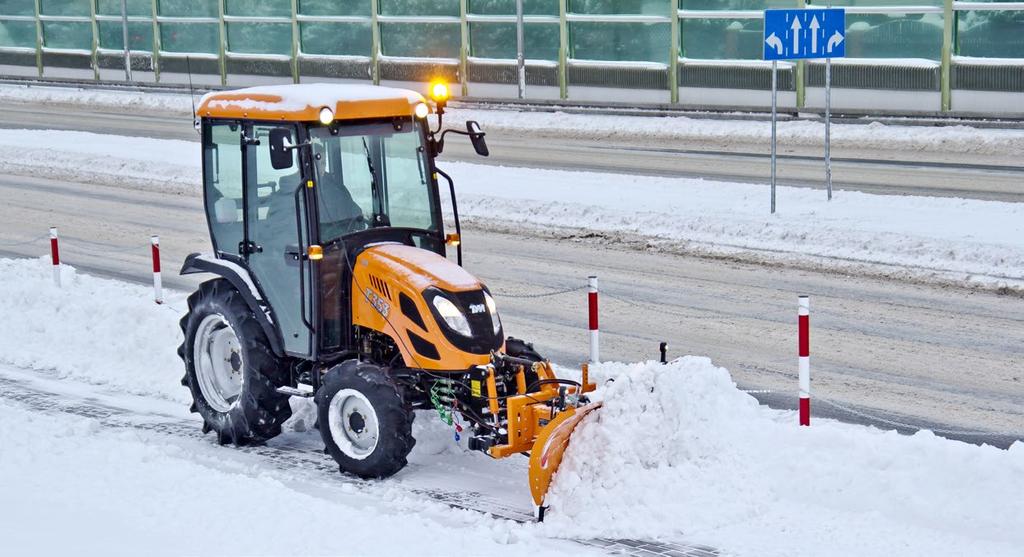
(835, 40)
(775, 42)
(796, 35)
(814, 34)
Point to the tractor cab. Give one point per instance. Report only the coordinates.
(297, 174)
(334, 282)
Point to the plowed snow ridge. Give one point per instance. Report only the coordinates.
(966, 241)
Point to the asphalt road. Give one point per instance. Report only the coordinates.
(999, 177)
(941, 357)
(925, 355)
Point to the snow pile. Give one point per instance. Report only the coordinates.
(874, 136)
(97, 98)
(958, 239)
(677, 449)
(91, 329)
(131, 162)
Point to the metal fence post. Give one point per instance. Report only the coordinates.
(520, 50)
(124, 40)
(374, 42)
(295, 41)
(94, 57)
(798, 75)
(464, 47)
(673, 60)
(948, 15)
(222, 44)
(156, 41)
(563, 50)
(39, 40)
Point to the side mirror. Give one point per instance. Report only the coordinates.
(476, 135)
(281, 148)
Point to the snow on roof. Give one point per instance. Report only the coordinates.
(303, 102)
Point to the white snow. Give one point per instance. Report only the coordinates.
(678, 449)
(300, 97)
(979, 242)
(677, 453)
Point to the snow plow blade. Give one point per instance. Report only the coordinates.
(551, 443)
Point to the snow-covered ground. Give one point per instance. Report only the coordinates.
(874, 136)
(677, 453)
(958, 240)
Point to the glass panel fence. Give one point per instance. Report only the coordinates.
(335, 7)
(508, 7)
(66, 34)
(200, 38)
(65, 7)
(428, 40)
(419, 7)
(135, 7)
(258, 8)
(17, 7)
(641, 42)
(260, 38)
(140, 35)
(994, 34)
(188, 8)
(348, 39)
(20, 34)
(498, 40)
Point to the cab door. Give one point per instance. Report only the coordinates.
(276, 233)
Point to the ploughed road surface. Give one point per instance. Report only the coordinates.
(944, 357)
(998, 177)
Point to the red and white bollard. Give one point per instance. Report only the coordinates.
(158, 291)
(804, 321)
(595, 353)
(55, 255)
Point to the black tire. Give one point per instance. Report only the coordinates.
(521, 349)
(259, 410)
(393, 417)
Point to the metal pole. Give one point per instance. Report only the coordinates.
(124, 37)
(775, 100)
(828, 126)
(828, 122)
(520, 58)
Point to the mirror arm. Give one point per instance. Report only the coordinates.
(455, 210)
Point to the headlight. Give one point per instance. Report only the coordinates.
(452, 315)
(493, 310)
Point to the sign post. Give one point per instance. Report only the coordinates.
(798, 35)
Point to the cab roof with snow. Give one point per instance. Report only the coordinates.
(303, 102)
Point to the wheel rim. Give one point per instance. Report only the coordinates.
(217, 356)
(353, 423)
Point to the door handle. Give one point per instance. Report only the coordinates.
(292, 254)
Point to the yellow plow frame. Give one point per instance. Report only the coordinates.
(537, 426)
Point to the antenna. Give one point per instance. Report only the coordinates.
(191, 93)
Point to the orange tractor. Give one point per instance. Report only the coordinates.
(333, 282)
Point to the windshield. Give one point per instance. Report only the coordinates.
(372, 175)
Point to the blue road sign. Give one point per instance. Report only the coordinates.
(794, 34)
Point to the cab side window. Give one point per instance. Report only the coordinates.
(222, 162)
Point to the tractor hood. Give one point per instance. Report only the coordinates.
(419, 268)
(399, 289)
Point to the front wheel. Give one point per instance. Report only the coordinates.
(364, 421)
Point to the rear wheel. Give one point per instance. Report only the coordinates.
(364, 421)
(230, 368)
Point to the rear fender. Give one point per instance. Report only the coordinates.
(239, 277)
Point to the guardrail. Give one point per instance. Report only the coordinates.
(647, 68)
